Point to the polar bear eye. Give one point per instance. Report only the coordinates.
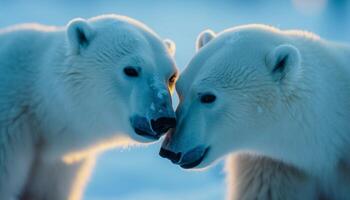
(208, 98)
(131, 71)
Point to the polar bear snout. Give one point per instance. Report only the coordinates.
(163, 124)
(187, 160)
(154, 128)
(194, 157)
(142, 127)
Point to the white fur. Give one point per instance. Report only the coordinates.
(64, 98)
(295, 118)
(257, 177)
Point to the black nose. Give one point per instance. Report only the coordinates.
(142, 127)
(173, 157)
(163, 124)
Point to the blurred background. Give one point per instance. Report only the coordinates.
(138, 173)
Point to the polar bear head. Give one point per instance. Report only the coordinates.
(234, 95)
(117, 79)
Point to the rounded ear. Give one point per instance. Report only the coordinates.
(170, 46)
(204, 37)
(284, 62)
(79, 34)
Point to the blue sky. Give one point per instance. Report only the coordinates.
(138, 172)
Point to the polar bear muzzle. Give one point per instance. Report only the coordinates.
(187, 160)
(163, 124)
(154, 128)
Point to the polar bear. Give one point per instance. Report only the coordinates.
(278, 101)
(68, 93)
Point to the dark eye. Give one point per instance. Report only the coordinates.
(208, 98)
(131, 71)
(172, 79)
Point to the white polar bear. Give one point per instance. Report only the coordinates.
(279, 100)
(68, 93)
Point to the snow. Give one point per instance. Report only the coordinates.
(139, 173)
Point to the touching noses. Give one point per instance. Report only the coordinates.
(160, 117)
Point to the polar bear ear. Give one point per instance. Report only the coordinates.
(284, 62)
(204, 37)
(79, 34)
(170, 46)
